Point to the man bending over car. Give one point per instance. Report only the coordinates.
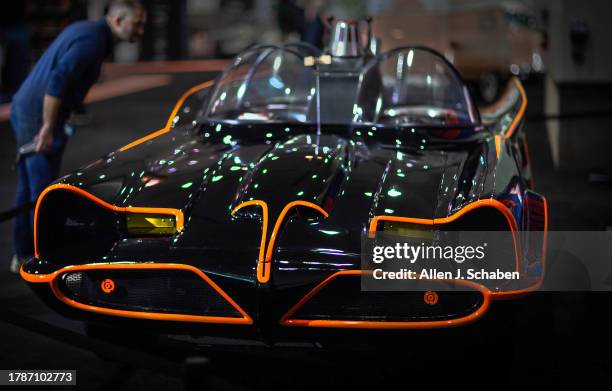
(53, 90)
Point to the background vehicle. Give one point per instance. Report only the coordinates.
(487, 42)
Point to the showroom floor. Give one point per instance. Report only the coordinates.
(32, 336)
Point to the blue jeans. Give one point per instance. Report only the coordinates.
(35, 172)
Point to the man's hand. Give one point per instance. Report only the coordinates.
(44, 139)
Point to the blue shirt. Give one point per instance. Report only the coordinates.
(67, 70)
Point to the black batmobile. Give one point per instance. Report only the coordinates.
(248, 210)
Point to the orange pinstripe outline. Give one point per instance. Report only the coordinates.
(507, 295)
(264, 264)
(521, 112)
(489, 295)
(264, 232)
(178, 215)
(498, 144)
(51, 279)
(265, 276)
(281, 217)
(478, 204)
(445, 220)
(362, 324)
(175, 110)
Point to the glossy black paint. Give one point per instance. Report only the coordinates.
(354, 173)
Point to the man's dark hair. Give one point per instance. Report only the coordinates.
(122, 7)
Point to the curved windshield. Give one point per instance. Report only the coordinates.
(413, 86)
(265, 84)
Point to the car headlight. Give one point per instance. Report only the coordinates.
(418, 231)
(139, 224)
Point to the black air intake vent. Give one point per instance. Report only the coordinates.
(153, 291)
(343, 300)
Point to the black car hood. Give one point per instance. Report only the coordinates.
(209, 174)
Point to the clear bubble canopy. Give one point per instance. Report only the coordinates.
(408, 86)
(414, 87)
(265, 84)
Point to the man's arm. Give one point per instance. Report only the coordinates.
(51, 107)
(80, 57)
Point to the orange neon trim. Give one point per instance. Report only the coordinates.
(521, 112)
(178, 215)
(515, 294)
(481, 203)
(362, 324)
(145, 138)
(175, 110)
(445, 220)
(184, 97)
(497, 145)
(414, 220)
(507, 295)
(264, 228)
(263, 272)
(51, 279)
(264, 263)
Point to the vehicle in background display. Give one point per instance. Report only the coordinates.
(246, 212)
(488, 43)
